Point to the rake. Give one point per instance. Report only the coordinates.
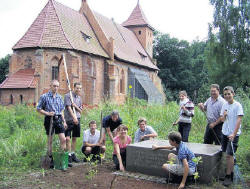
(238, 178)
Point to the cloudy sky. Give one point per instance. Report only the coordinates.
(183, 19)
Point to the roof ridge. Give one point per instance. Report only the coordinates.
(52, 1)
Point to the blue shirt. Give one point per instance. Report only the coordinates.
(184, 153)
(49, 103)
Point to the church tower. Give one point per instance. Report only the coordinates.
(138, 23)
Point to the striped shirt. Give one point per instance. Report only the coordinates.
(49, 103)
(186, 115)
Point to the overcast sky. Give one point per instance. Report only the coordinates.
(183, 19)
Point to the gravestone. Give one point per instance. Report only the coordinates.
(141, 158)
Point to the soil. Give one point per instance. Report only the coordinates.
(77, 178)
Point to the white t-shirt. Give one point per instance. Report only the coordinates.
(233, 111)
(89, 138)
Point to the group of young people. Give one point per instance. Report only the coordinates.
(223, 128)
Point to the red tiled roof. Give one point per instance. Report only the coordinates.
(137, 18)
(126, 44)
(23, 78)
(61, 27)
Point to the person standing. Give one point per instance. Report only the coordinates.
(51, 106)
(144, 132)
(73, 120)
(212, 107)
(231, 114)
(185, 117)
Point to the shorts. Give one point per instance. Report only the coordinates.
(226, 145)
(74, 129)
(178, 169)
(96, 150)
(57, 127)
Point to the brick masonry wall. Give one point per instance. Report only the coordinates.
(28, 96)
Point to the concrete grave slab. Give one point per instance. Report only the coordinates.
(141, 158)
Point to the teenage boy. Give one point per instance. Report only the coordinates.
(184, 166)
(144, 132)
(73, 120)
(212, 107)
(231, 115)
(109, 125)
(91, 144)
(51, 106)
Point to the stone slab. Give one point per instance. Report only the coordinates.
(141, 158)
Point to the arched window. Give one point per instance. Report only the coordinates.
(139, 32)
(11, 99)
(54, 68)
(21, 99)
(122, 83)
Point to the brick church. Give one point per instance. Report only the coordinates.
(111, 60)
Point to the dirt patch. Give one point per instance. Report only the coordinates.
(78, 177)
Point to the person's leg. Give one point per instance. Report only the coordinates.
(186, 130)
(116, 162)
(123, 156)
(62, 141)
(208, 138)
(180, 129)
(76, 134)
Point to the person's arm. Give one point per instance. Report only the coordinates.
(185, 174)
(238, 122)
(90, 145)
(75, 120)
(110, 133)
(218, 121)
(117, 149)
(64, 122)
(156, 147)
(79, 109)
(40, 107)
(153, 133)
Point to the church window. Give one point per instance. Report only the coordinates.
(139, 32)
(122, 83)
(21, 99)
(55, 71)
(11, 99)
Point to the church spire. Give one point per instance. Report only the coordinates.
(137, 18)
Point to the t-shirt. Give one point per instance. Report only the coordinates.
(89, 138)
(233, 111)
(139, 133)
(108, 122)
(121, 146)
(213, 108)
(183, 152)
(67, 102)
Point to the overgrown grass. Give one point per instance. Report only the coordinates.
(23, 139)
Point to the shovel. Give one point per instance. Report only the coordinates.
(45, 161)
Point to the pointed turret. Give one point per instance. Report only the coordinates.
(138, 23)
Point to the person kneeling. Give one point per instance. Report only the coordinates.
(183, 164)
(91, 144)
(120, 144)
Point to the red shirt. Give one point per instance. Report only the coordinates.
(121, 146)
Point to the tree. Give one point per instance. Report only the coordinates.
(229, 48)
(4, 67)
(181, 64)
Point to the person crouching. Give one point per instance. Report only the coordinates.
(120, 144)
(91, 143)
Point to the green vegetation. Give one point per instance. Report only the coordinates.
(23, 139)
